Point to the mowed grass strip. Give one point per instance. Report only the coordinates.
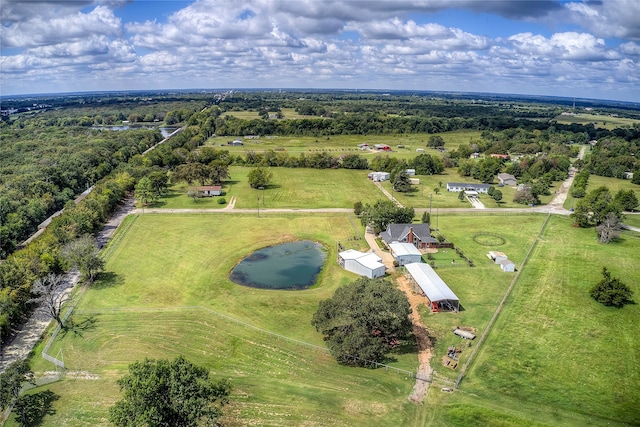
(274, 381)
(556, 347)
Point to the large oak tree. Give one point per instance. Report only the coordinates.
(364, 321)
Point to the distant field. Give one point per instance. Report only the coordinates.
(294, 145)
(599, 121)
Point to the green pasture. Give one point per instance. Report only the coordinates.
(165, 262)
(290, 188)
(348, 144)
(554, 347)
(479, 288)
(598, 120)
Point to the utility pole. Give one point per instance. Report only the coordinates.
(258, 206)
(430, 202)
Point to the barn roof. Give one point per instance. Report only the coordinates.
(368, 259)
(431, 284)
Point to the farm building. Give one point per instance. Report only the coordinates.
(379, 176)
(497, 257)
(507, 179)
(210, 190)
(426, 281)
(419, 235)
(415, 181)
(405, 253)
(365, 264)
(410, 172)
(465, 186)
(507, 266)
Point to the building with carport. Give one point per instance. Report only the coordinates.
(365, 264)
(426, 281)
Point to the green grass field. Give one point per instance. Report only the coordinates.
(341, 144)
(598, 120)
(552, 358)
(290, 188)
(554, 347)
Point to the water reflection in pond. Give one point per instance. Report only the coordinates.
(293, 265)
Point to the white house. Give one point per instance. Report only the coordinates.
(426, 280)
(465, 186)
(365, 264)
(379, 176)
(210, 190)
(507, 265)
(405, 253)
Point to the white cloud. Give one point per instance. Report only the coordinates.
(568, 46)
(38, 31)
(618, 18)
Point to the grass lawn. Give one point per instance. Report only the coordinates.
(556, 348)
(553, 355)
(169, 261)
(290, 188)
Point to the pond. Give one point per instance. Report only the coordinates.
(293, 265)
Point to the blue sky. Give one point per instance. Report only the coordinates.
(586, 49)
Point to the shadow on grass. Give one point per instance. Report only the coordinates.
(31, 409)
(107, 279)
(86, 324)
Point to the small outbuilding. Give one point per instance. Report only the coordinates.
(365, 264)
(410, 172)
(497, 257)
(427, 282)
(507, 179)
(405, 253)
(507, 266)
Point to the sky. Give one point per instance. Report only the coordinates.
(582, 48)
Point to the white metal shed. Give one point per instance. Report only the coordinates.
(405, 253)
(365, 264)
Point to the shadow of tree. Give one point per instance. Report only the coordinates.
(31, 409)
(107, 279)
(86, 324)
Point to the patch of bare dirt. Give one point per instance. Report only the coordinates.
(423, 342)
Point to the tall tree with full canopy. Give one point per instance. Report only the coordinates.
(363, 321)
(175, 393)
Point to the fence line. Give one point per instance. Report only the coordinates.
(106, 252)
(485, 333)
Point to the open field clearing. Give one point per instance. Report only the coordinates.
(598, 120)
(553, 345)
(294, 145)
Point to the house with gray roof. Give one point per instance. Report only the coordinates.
(417, 234)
